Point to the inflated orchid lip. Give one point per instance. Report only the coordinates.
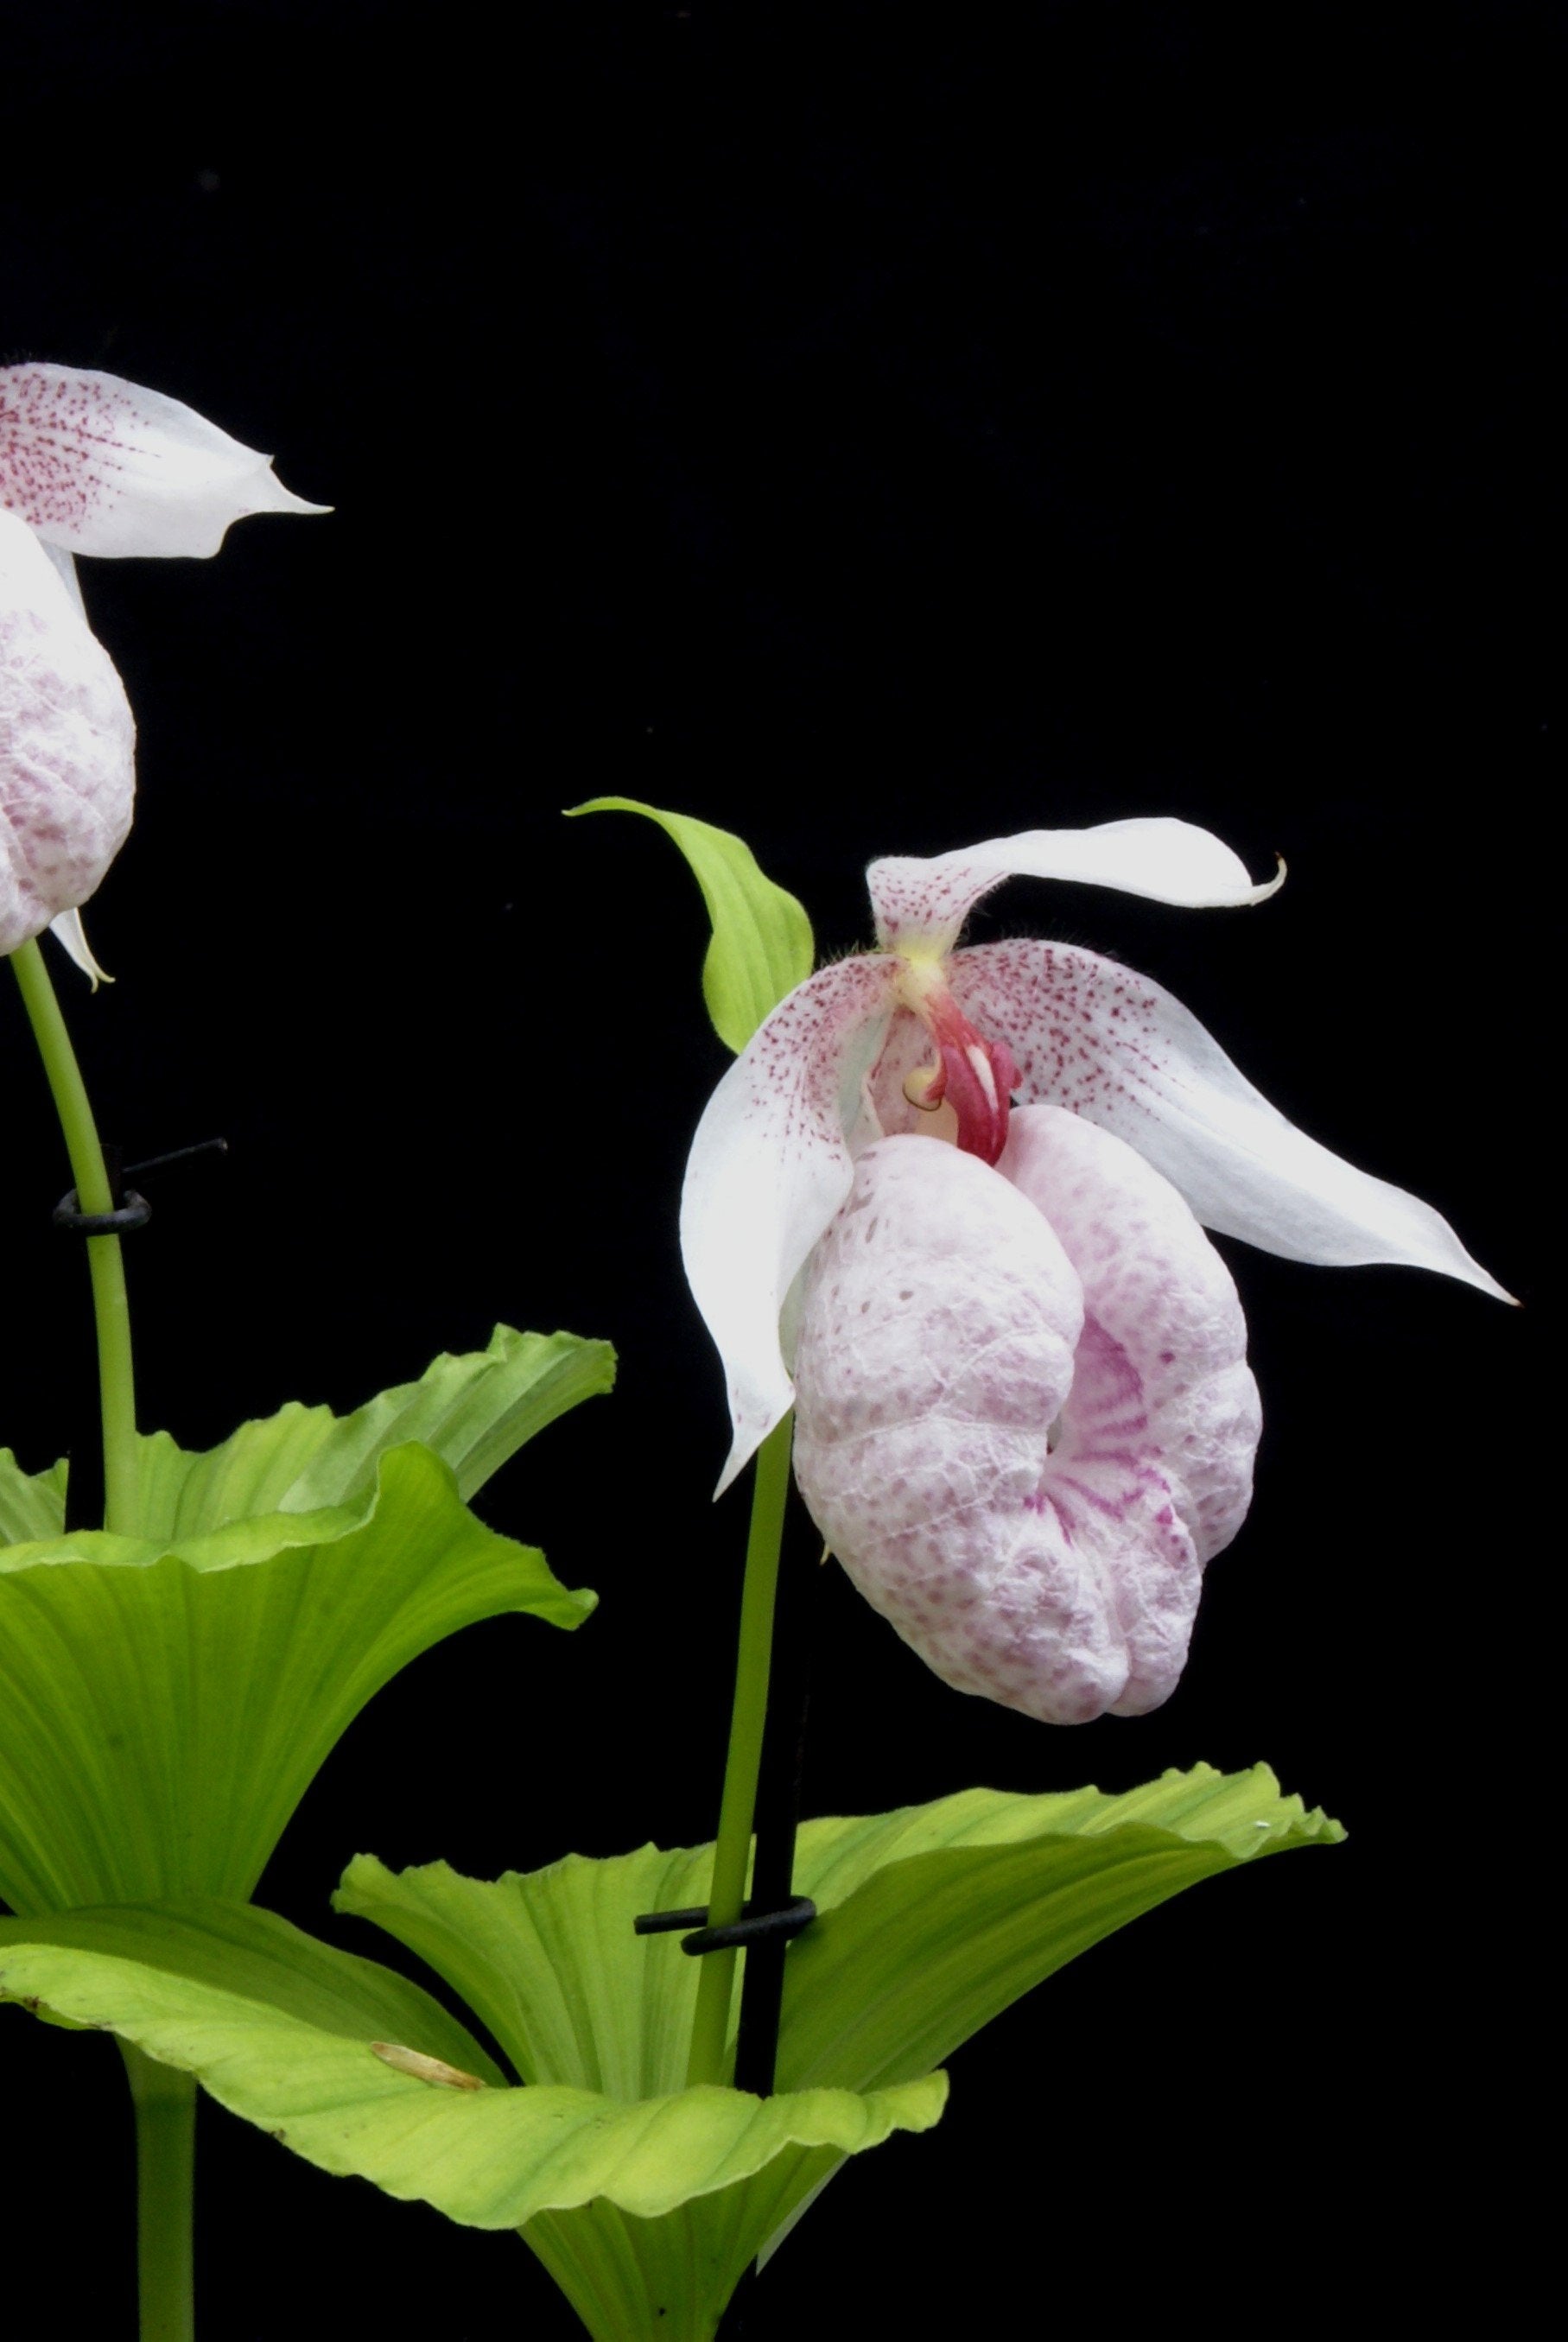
(90, 464)
(773, 1157)
(66, 745)
(1024, 1418)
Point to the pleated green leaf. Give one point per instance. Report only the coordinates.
(32, 1504)
(551, 1964)
(937, 1917)
(192, 1972)
(634, 2280)
(934, 1919)
(761, 943)
(646, 2201)
(165, 1701)
(361, 2072)
(474, 1411)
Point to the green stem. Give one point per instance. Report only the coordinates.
(117, 1382)
(166, 2105)
(164, 2100)
(731, 1853)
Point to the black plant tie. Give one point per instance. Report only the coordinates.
(757, 1923)
(131, 1210)
(84, 1487)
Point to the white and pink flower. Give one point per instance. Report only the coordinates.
(89, 465)
(1025, 1419)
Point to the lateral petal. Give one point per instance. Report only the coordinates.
(769, 1167)
(1115, 1047)
(921, 904)
(101, 465)
(67, 742)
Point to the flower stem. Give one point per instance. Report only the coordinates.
(166, 2104)
(731, 1853)
(165, 2101)
(117, 1382)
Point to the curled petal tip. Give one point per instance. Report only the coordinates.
(922, 904)
(101, 465)
(70, 935)
(260, 492)
(284, 499)
(1271, 886)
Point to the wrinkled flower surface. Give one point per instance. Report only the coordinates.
(1025, 1419)
(90, 464)
(66, 745)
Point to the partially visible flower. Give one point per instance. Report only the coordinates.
(90, 464)
(67, 746)
(1024, 1418)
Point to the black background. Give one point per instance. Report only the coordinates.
(872, 432)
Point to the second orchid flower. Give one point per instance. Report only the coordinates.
(1024, 1420)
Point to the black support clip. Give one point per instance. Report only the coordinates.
(758, 1923)
(131, 1210)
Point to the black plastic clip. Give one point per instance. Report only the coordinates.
(757, 1924)
(134, 1213)
(131, 1211)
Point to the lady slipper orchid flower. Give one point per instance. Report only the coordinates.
(90, 465)
(1025, 1419)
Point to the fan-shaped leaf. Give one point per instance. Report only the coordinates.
(164, 1705)
(361, 2072)
(474, 1411)
(933, 1920)
(32, 1504)
(937, 1917)
(196, 1961)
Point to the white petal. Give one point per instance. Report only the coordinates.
(72, 937)
(922, 904)
(768, 1168)
(68, 770)
(64, 568)
(1114, 1048)
(101, 467)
